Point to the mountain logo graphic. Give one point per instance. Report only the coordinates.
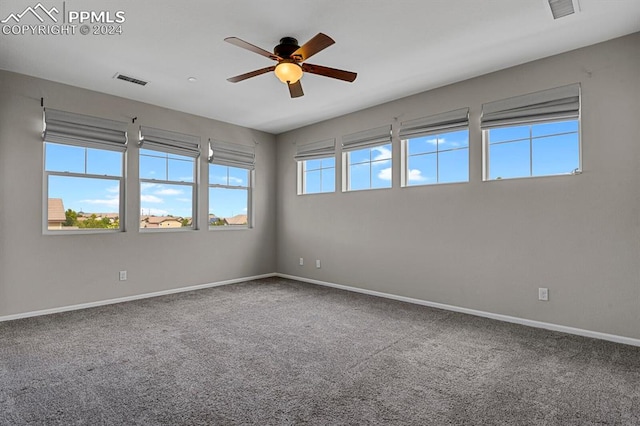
(38, 11)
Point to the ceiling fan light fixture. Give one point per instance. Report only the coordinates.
(288, 72)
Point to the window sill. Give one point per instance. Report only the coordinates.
(577, 173)
(230, 228)
(166, 230)
(83, 232)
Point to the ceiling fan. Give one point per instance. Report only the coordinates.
(292, 61)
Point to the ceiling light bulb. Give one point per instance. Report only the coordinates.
(288, 72)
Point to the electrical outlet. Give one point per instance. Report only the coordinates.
(318, 264)
(123, 275)
(301, 262)
(543, 294)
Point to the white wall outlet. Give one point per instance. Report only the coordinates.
(318, 264)
(543, 293)
(301, 262)
(123, 275)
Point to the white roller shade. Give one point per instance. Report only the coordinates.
(435, 124)
(172, 142)
(367, 138)
(561, 103)
(320, 149)
(231, 154)
(83, 130)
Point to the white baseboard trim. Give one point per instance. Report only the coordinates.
(130, 298)
(499, 317)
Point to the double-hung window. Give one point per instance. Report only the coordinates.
(435, 149)
(367, 159)
(168, 170)
(83, 172)
(231, 168)
(533, 135)
(316, 167)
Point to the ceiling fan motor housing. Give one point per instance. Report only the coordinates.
(287, 46)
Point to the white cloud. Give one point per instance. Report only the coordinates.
(233, 179)
(114, 189)
(383, 153)
(168, 191)
(150, 199)
(415, 175)
(146, 185)
(385, 174)
(435, 141)
(184, 200)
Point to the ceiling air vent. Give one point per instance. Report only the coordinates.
(131, 79)
(560, 8)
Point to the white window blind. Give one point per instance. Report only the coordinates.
(82, 130)
(367, 138)
(315, 150)
(561, 103)
(435, 124)
(171, 142)
(231, 154)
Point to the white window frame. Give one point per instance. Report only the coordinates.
(82, 131)
(559, 104)
(346, 163)
(406, 156)
(121, 184)
(238, 156)
(486, 144)
(302, 175)
(192, 185)
(366, 139)
(248, 188)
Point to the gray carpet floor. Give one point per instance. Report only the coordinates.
(279, 352)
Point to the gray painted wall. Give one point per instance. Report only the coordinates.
(46, 271)
(489, 245)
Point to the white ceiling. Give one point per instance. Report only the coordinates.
(397, 47)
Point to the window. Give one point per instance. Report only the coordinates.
(83, 173)
(533, 150)
(316, 167)
(533, 135)
(230, 181)
(367, 160)
(317, 175)
(228, 196)
(436, 149)
(167, 179)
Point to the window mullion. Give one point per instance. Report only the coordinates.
(438, 158)
(530, 150)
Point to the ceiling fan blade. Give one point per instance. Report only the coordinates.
(245, 45)
(295, 89)
(313, 46)
(245, 76)
(330, 72)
